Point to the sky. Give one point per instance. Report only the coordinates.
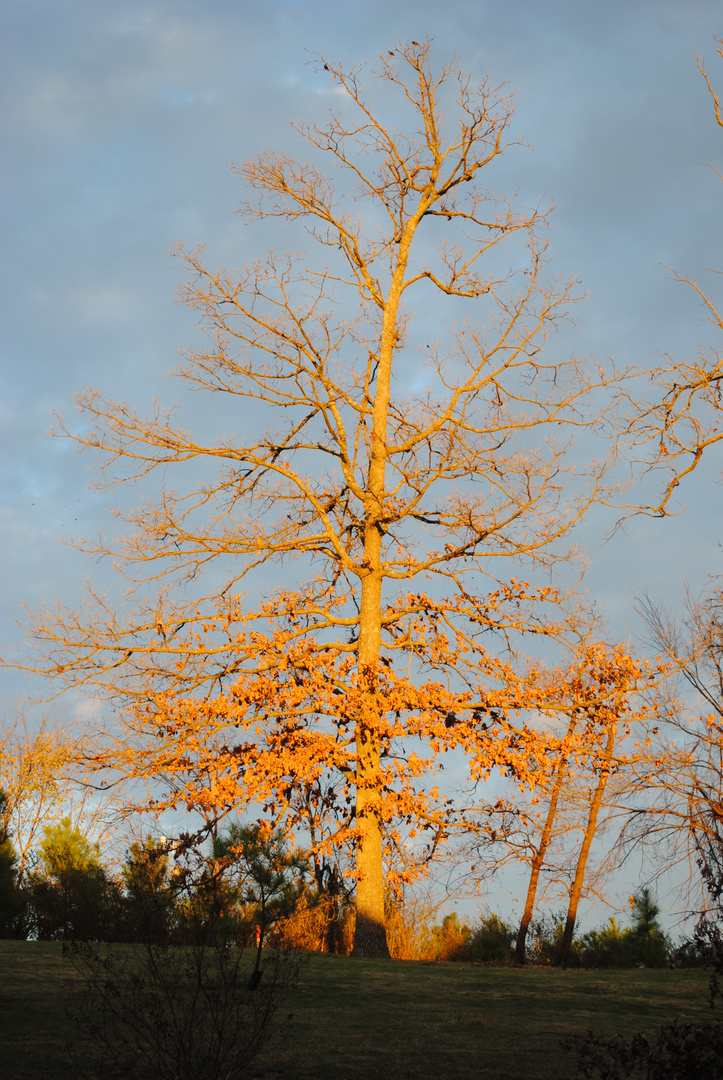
(121, 118)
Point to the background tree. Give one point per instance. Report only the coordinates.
(603, 765)
(537, 849)
(594, 702)
(650, 945)
(37, 775)
(266, 879)
(73, 898)
(397, 453)
(12, 900)
(149, 900)
(682, 813)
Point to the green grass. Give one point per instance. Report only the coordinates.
(354, 1019)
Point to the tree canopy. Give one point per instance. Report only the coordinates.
(419, 477)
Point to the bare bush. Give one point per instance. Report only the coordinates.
(171, 1012)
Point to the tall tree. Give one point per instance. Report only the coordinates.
(392, 456)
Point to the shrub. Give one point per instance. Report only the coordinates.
(450, 941)
(492, 940)
(410, 921)
(641, 945)
(678, 1052)
(545, 942)
(165, 1012)
(318, 923)
(607, 948)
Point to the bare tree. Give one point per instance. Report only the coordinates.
(684, 776)
(393, 458)
(42, 783)
(683, 421)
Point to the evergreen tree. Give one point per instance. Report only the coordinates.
(74, 898)
(12, 901)
(649, 943)
(149, 901)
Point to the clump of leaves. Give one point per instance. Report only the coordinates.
(678, 1052)
(173, 1012)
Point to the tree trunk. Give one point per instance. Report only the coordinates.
(539, 858)
(370, 935)
(536, 866)
(370, 938)
(577, 883)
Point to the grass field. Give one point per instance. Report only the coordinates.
(355, 1019)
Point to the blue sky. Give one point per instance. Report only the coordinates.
(120, 120)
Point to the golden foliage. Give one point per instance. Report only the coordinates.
(391, 460)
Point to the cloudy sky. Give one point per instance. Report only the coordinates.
(121, 117)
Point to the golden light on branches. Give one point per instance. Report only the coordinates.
(468, 473)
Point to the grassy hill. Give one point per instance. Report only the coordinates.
(362, 1019)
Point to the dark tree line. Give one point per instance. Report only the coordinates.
(245, 885)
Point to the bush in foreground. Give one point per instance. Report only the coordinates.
(164, 1012)
(678, 1052)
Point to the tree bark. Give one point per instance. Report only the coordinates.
(577, 883)
(370, 933)
(535, 868)
(539, 858)
(370, 937)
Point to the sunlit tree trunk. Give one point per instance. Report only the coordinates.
(579, 877)
(370, 935)
(539, 857)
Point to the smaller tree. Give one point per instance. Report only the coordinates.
(589, 708)
(12, 901)
(73, 898)
(650, 945)
(618, 680)
(266, 878)
(149, 899)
